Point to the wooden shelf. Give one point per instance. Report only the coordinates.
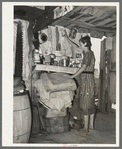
(70, 70)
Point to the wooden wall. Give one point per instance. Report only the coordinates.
(113, 72)
(107, 74)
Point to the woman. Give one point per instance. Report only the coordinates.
(87, 101)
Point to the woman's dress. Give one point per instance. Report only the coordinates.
(84, 102)
(87, 101)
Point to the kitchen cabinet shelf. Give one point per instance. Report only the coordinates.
(70, 70)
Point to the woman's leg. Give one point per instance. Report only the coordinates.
(86, 122)
(71, 121)
(91, 121)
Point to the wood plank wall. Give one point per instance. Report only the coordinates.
(108, 56)
(113, 72)
(101, 102)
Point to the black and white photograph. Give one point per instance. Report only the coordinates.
(60, 74)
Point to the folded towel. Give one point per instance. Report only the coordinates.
(56, 90)
(53, 100)
(58, 82)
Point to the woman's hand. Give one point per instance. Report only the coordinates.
(68, 76)
(72, 76)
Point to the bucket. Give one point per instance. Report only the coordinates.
(48, 113)
(22, 118)
(56, 125)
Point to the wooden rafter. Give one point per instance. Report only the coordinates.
(110, 24)
(102, 23)
(87, 17)
(82, 25)
(79, 22)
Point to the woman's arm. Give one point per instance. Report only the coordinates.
(79, 71)
(85, 62)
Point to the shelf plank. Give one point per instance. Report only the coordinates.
(70, 70)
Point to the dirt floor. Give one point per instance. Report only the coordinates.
(104, 133)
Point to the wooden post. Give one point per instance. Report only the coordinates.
(112, 90)
(109, 47)
(104, 103)
(101, 84)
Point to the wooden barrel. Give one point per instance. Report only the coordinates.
(48, 113)
(22, 118)
(56, 125)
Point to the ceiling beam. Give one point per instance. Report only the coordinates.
(110, 24)
(82, 25)
(101, 23)
(48, 19)
(44, 21)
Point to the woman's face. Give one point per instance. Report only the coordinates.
(81, 45)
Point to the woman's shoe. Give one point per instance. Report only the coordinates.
(91, 127)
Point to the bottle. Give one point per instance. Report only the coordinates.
(36, 56)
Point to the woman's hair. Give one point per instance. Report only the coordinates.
(86, 39)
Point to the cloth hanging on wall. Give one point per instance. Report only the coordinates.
(65, 47)
(14, 45)
(25, 59)
(26, 71)
(58, 44)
